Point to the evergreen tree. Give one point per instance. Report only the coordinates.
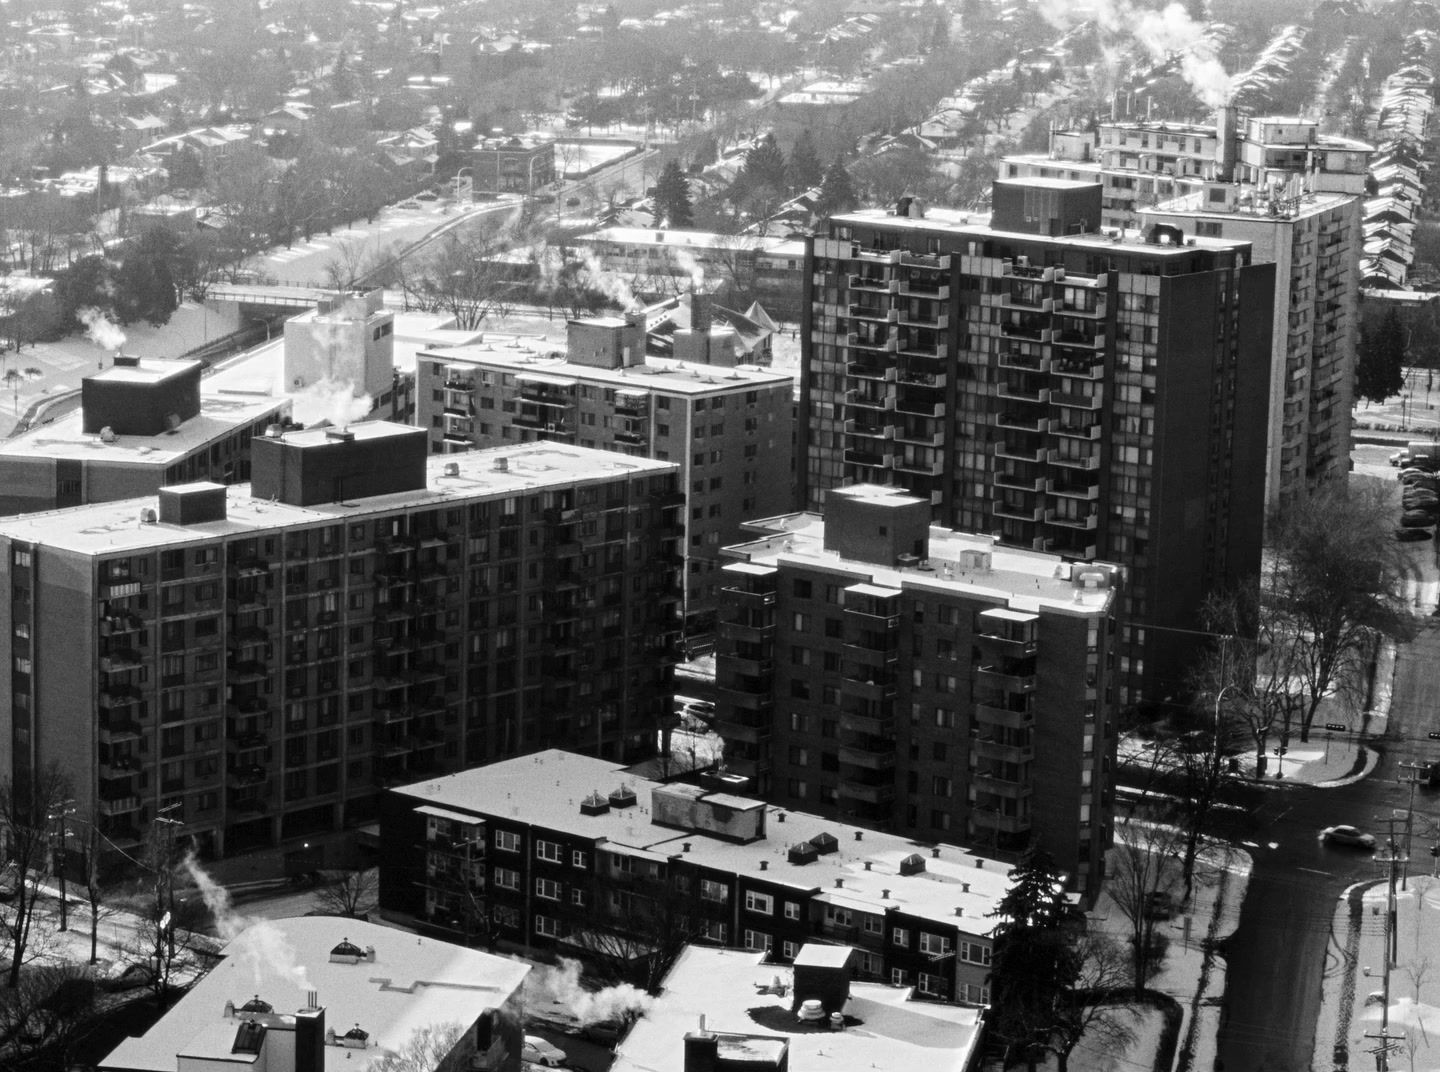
(1034, 958)
(837, 192)
(764, 165)
(940, 33)
(1380, 363)
(670, 204)
(145, 284)
(706, 153)
(804, 169)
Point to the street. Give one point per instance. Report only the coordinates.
(1283, 942)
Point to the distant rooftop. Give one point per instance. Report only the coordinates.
(412, 983)
(656, 374)
(112, 527)
(1251, 201)
(546, 790)
(734, 992)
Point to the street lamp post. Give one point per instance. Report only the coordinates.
(466, 186)
(165, 896)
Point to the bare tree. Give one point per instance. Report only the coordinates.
(1090, 1010)
(348, 893)
(425, 1050)
(466, 278)
(26, 804)
(1143, 880)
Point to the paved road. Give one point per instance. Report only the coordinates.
(1283, 942)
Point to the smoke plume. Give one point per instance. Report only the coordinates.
(597, 277)
(331, 400)
(691, 267)
(101, 330)
(266, 950)
(1164, 34)
(561, 985)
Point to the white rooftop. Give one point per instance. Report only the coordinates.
(662, 374)
(412, 983)
(546, 789)
(734, 990)
(112, 527)
(1020, 579)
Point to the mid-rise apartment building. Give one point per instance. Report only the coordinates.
(1314, 240)
(1142, 162)
(258, 661)
(1100, 397)
(893, 673)
(728, 428)
(542, 852)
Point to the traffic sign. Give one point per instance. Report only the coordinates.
(1338, 727)
(1279, 750)
(1434, 735)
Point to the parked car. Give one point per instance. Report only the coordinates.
(125, 975)
(1410, 535)
(605, 1032)
(539, 1052)
(1348, 836)
(1159, 904)
(1400, 457)
(1417, 519)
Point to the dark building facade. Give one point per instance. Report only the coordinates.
(1067, 391)
(261, 667)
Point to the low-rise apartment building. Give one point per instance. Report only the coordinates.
(258, 661)
(934, 684)
(569, 854)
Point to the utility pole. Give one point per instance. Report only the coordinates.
(1385, 1041)
(61, 814)
(165, 878)
(1414, 774)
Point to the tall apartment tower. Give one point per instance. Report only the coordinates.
(1097, 397)
(729, 428)
(1314, 240)
(260, 661)
(904, 676)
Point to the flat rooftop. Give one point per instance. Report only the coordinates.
(545, 789)
(230, 399)
(113, 527)
(1017, 578)
(662, 374)
(735, 992)
(978, 224)
(1257, 207)
(412, 983)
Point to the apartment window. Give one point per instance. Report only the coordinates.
(932, 985)
(762, 903)
(507, 840)
(975, 953)
(758, 941)
(579, 859)
(898, 976)
(550, 928)
(974, 994)
(901, 937)
(792, 909)
(506, 879)
(506, 916)
(715, 931)
(20, 558)
(874, 924)
(549, 851)
(711, 890)
(935, 945)
(547, 888)
(577, 898)
(788, 949)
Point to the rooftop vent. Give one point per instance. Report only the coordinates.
(273, 431)
(595, 804)
(502, 464)
(356, 1038)
(913, 864)
(347, 952)
(257, 1004)
(147, 516)
(803, 853)
(452, 468)
(107, 435)
(623, 797)
(249, 1037)
(825, 843)
(340, 435)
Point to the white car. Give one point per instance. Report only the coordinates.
(1347, 836)
(539, 1052)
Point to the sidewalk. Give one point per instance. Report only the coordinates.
(1352, 988)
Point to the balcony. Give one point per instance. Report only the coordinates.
(1019, 452)
(743, 731)
(886, 345)
(875, 689)
(869, 370)
(1017, 511)
(119, 696)
(877, 284)
(1025, 421)
(878, 759)
(918, 406)
(989, 748)
(1033, 301)
(864, 791)
(1008, 646)
(251, 566)
(869, 427)
(118, 731)
(749, 665)
(922, 434)
(881, 313)
(921, 466)
(745, 699)
(1021, 391)
(872, 722)
(1010, 478)
(1094, 341)
(923, 376)
(748, 631)
(1012, 683)
(866, 457)
(1089, 462)
(1075, 430)
(924, 288)
(1095, 308)
(1083, 522)
(1088, 367)
(1001, 787)
(870, 399)
(1036, 331)
(937, 261)
(746, 597)
(120, 660)
(1073, 489)
(1075, 400)
(1013, 359)
(935, 321)
(1023, 269)
(991, 819)
(251, 774)
(119, 806)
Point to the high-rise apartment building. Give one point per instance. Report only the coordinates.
(1095, 396)
(259, 661)
(729, 428)
(1314, 240)
(935, 684)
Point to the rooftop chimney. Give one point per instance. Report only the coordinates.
(702, 1050)
(310, 1036)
